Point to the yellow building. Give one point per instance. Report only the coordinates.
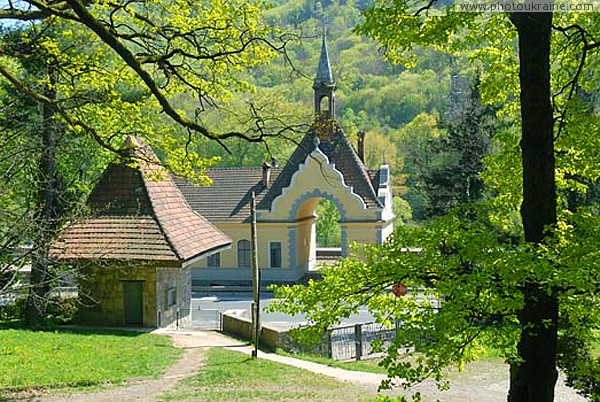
(324, 166)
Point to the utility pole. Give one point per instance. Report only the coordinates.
(255, 278)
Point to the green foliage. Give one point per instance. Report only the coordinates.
(578, 360)
(402, 210)
(71, 358)
(12, 312)
(329, 232)
(461, 301)
(62, 310)
(454, 177)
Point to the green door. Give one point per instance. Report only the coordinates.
(132, 292)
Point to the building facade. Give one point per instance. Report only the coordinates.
(325, 165)
(134, 253)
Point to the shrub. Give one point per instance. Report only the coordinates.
(14, 311)
(62, 310)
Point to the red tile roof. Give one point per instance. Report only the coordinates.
(138, 214)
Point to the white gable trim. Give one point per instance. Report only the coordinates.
(329, 180)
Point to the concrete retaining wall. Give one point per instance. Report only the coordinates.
(237, 323)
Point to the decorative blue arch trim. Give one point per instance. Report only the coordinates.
(313, 194)
(292, 247)
(344, 241)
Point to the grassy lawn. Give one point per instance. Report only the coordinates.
(233, 376)
(72, 358)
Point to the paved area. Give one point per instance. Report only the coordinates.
(242, 301)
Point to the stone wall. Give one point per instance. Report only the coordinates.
(242, 326)
(102, 298)
(180, 280)
(272, 337)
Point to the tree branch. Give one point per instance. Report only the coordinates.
(103, 33)
(583, 36)
(71, 121)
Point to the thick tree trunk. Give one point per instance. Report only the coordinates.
(46, 215)
(534, 379)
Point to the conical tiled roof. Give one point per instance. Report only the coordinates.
(324, 77)
(138, 214)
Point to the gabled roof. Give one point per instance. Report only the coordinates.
(227, 200)
(138, 214)
(340, 152)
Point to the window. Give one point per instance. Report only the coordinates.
(275, 254)
(214, 260)
(170, 297)
(243, 253)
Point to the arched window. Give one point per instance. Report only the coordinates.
(243, 253)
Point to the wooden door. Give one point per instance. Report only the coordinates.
(133, 297)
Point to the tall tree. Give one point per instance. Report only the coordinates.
(487, 280)
(110, 68)
(454, 177)
(534, 378)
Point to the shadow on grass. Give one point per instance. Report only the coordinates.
(76, 329)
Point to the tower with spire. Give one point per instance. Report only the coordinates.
(324, 86)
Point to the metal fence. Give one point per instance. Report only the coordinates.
(354, 342)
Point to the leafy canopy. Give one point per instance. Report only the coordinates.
(466, 269)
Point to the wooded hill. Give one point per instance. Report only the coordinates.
(405, 110)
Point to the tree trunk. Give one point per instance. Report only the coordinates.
(534, 379)
(46, 214)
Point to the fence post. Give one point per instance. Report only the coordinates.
(178, 315)
(358, 341)
(329, 345)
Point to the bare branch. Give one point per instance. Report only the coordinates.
(577, 33)
(426, 7)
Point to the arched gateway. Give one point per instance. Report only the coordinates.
(324, 166)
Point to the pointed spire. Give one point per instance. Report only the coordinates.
(324, 86)
(324, 76)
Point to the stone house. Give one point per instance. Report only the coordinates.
(135, 252)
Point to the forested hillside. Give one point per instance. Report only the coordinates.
(405, 111)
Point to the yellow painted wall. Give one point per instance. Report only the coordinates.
(265, 233)
(295, 208)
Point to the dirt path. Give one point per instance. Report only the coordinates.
(143, 390)
(483, 381)
(148, 390)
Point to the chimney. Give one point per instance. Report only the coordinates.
(361, 146)
(266, 174)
